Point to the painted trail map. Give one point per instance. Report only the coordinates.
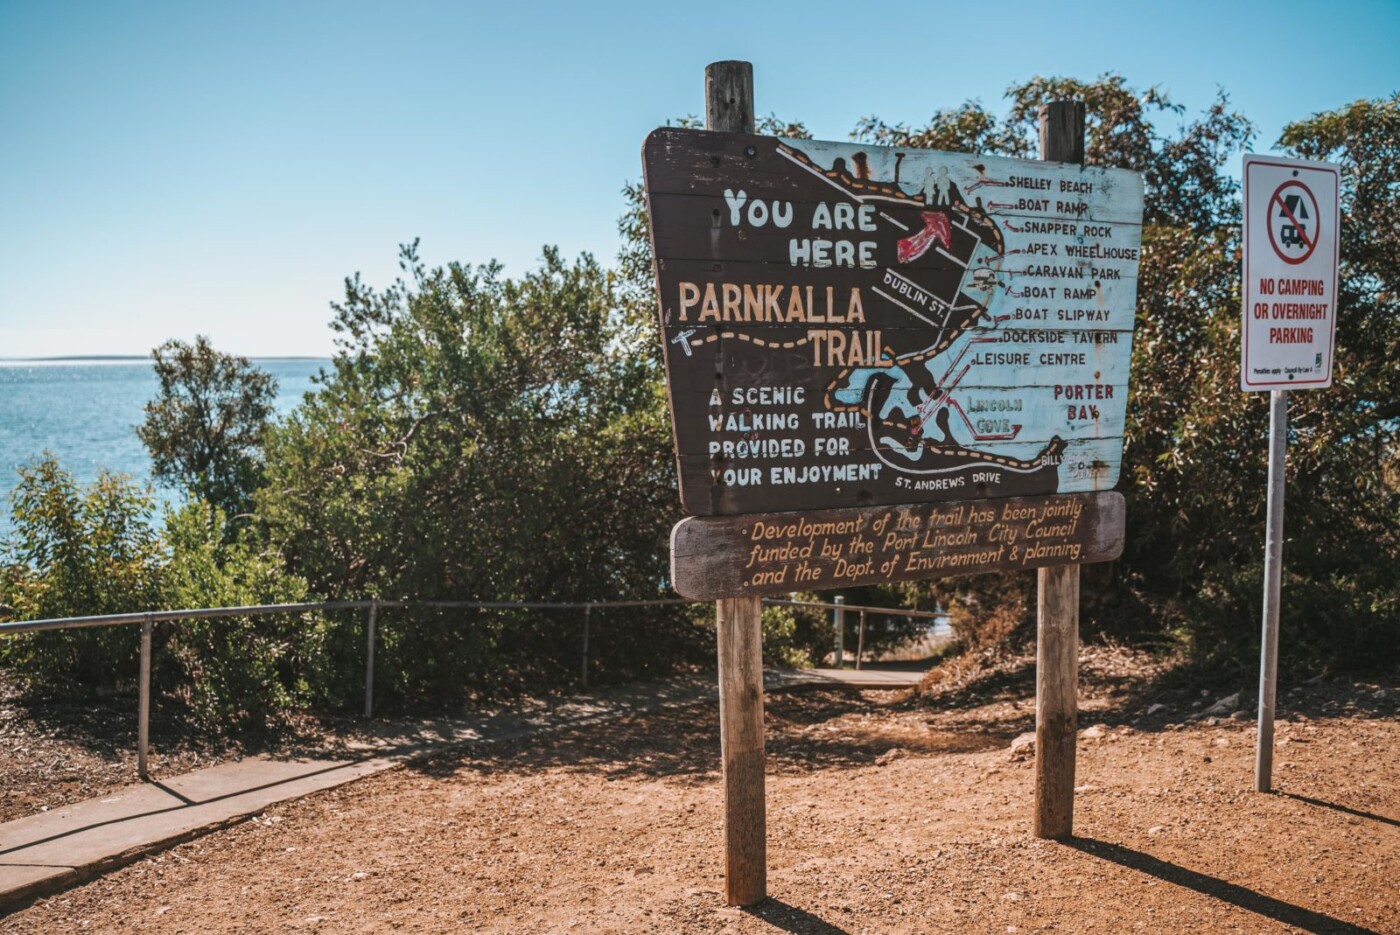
(854, 325)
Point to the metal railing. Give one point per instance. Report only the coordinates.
(148, 619)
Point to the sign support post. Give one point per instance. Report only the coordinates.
(739, 620)
(1292, 218)
(1057, 604)
(1273, 577)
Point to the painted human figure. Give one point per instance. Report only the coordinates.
(937, 187)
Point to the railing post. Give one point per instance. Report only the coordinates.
(586, 611)
(838, 619)
(369, 657)
(860, 642)
(143, 726)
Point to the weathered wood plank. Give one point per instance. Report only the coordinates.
(1011, 358)
(1116, 245)
(682, 161)
(721, 489)
(1056, 704)
(771, 553)
(692, 294)
(1029, 413)
(740, 639)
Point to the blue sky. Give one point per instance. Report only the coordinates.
(169, 169)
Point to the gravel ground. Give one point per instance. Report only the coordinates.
(887, 813)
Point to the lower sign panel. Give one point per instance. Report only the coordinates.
(773, 553)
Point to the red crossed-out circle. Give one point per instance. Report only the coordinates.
(1277, 203)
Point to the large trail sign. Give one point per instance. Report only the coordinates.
(852, 326)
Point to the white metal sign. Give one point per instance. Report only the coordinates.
(1291, 221)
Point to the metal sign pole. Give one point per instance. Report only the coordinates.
(1273, 575)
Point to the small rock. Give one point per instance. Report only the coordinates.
(1240, 716)
(889, 756)
(1225, 705)
(1154, 708)
(1095, 732)
(358, 875)
(1222, 741)
(1156, 830)
(1211, 721)
(1023, 746)
(1083, 789)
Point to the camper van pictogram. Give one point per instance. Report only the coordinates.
(1295, 232)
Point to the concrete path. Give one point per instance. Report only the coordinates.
(55, 849)
(864, 678)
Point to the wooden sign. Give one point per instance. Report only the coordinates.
(850, 325)
(771, 553)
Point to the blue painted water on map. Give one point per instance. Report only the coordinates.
(86, 413)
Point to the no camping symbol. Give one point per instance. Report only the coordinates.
(1293, 221)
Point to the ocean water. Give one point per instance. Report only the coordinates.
(86, 413)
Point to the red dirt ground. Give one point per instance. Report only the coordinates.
(886, 814)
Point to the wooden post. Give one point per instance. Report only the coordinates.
(1056, 704)
(729, 97)
(1057, 604)
(738, 621)
(741, 748)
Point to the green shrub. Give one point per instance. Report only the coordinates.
(74, 552)
(92, 551)
(235, 671)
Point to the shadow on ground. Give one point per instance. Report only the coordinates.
(809, 728)
(1216, 888)
(786, 918)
